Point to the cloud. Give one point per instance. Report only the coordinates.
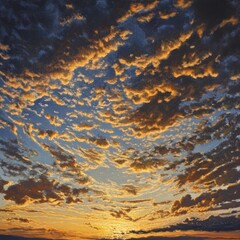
(121, 214)
(2, 184)
(212, 12)
(130, 189)
(92, 155)
(213, 170)
(82, 127)
(33, 233)
(212, 224)
(208, 200)
(22, 220)
(64, 160)
(13, 151)
(9, 237)
(140, 165)
(138, 201)
(183, 3)
(54, 120)
(124, 213)
(31, 190)
(172, 238)
(121, 107)
(100, 142)
(43, 190)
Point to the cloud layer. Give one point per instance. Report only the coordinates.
(124, 115)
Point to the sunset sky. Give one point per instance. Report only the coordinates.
(119, 119)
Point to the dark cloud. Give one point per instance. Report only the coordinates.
(24, 26)
(12, 169)
(13, 150)
(217, 166)
(146, 91)
(38, 190)
(6, 210)
(37, 32)
(163, 115)
(212, 224)
(8, 237)
(100, 142)
(131, 189)
(42, 190)
(124, 213)
(121, 214)
(137, 201)
(22, 220)
(2, 184)
(208, 200)
(171, 238)
(167, 238)
(212, 12)
(63, 159)
(29, 233)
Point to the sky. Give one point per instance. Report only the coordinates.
(119, 119)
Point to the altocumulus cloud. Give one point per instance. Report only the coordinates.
(117, 112)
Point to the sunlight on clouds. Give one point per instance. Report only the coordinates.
(119, 119)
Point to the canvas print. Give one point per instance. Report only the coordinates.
(119, 119)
